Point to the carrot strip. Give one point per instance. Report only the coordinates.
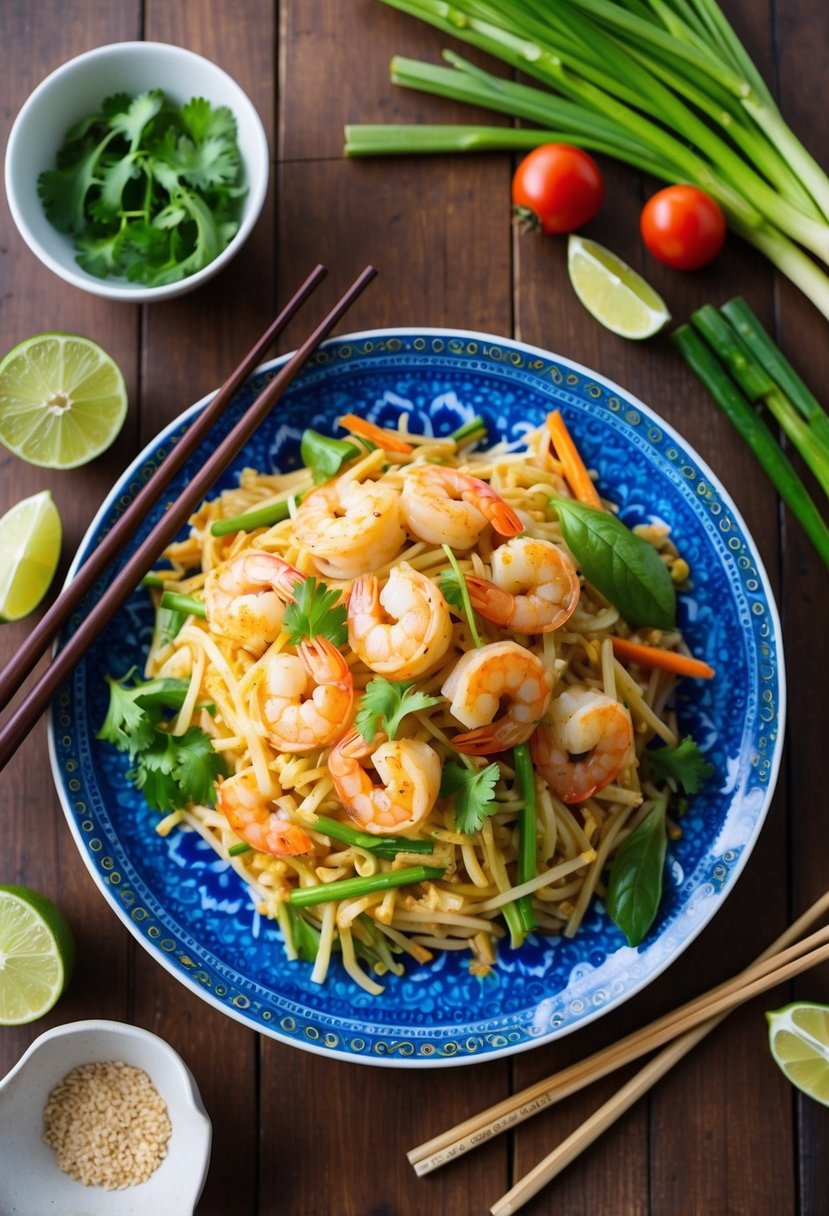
(384, 439)
(575, 471)
(669, 660)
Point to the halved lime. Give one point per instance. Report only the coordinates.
(62, 400)
(799, 1042)
(30, 536)
(613, 292)
(37, 953)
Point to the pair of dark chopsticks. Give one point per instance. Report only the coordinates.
(36, 700)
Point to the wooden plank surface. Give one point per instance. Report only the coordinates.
(297, 1134)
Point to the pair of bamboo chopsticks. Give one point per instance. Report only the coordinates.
(122, 586)
(785, 958)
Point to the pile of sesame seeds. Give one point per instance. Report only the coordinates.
(108, 1125)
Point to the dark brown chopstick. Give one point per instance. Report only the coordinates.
(39, 696)
(51, 623)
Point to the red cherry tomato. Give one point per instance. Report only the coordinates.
(558, 188)
(683, 227)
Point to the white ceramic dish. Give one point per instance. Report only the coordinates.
(75, 90)
(31, 1184)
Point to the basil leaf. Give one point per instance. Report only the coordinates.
(323, 455)
(624, 568)
(635, 886)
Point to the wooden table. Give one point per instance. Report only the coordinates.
(295, 1133)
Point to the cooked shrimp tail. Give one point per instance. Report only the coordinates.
(306, 700)
(482, 680)
(409, 770)
(256, 821)
(445, 506)
(583, 744)
(534, 588)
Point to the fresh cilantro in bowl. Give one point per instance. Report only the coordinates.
(151, 191)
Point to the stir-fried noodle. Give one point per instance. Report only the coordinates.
(282, 712)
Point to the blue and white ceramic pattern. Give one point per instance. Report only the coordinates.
(193, 914)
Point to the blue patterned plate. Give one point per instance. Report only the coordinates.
(192, 913)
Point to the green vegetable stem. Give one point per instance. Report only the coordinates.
(261, 517)
(742, 415)
(383, 846)
(353, 888)
(186, 604)
(527, 830)
(663, 85)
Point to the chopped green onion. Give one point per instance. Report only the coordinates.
(527, 864)
(350, 888)
(475, 427)
(153, 579)
(183, 603)
(383, 845)
(236, 850)
(754, 431)
(261, 517)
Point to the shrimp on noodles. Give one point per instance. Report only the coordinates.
(402, 630)
(485, 678)
(306, 700)
(409, 770)
(445, 506)
(259, 824)
(534, 589)
(583, 744)
(245, 598)
(350, 527)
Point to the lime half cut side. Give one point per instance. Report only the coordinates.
(799, 1043)
(612, 292)
(37, 953)
(30, 537)
(62, 400)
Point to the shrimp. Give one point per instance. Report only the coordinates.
(421, 628)
(259, 824)
(534, 588)
(245, 598)
(293, 720)
(350, 527)
(583, 744)
(484, 678)
(409, 769)
(447, 507)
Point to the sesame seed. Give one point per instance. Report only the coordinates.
(108, 1125)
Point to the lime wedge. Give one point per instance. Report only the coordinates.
(799, 1042)
(37, 953)
(62, 400)
(613, 292)
(30, 536)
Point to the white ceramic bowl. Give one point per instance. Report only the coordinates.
(33, 1185)
(76, 90)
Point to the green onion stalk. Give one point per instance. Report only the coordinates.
(612, 66)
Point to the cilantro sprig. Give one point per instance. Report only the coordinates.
(317, 610)
(170, 770)
(150, 190)
(473, 791)
(384, 705)
(682, 767)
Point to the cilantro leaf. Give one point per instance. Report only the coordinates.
(170, 770)
(317, 611)
(683, 766)
(450, 584)
(129, 116)
(384, 705)
(473, 791)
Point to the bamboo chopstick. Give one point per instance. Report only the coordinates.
(769, 969)
(607, 1114)
(53, 620)
(38, 697)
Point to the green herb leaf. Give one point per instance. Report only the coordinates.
(384, 705)
(455, 591)
(317, 611)
(305, 937)
(134, 709)
(635, 886)
(473, 791)
(622, 566)
(325, 456)
(682, 767)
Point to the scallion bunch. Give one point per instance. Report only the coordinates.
(664, 85)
